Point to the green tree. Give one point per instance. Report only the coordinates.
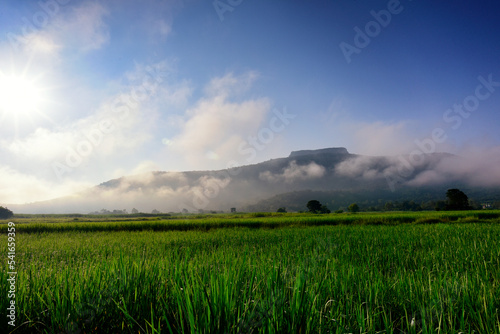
(457, 200)
(5, 213)
(314, 206)
(324, 209)
(353, 208)
(281, 210)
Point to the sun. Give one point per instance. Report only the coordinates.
(20, 97)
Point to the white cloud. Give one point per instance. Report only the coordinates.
(173, 191)
(42, 43)
(84, 28)
(362, 136)
(217, 125)
(231, 85)
(142, 168)
(294, 172)
(363, 166)
(42, 145)
(146, 166)
(162, 27)
(17, 187)
(80, 28)
(475, 166)
(381, 138)
(180, 95)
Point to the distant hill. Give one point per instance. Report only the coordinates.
(332, 175)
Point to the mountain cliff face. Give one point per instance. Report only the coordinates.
(332, 170)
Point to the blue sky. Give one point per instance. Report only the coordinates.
(100, 89)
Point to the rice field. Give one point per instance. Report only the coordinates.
(434, 272)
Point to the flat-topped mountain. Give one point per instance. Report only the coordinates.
(333, 171)
(324, 151)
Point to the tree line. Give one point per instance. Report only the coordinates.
(455, 200)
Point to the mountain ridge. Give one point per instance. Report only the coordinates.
(331, 150)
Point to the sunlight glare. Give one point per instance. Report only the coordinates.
(18, 96)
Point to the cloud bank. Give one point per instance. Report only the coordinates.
(294, 172)
(477, 168)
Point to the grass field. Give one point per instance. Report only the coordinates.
(431, 272)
